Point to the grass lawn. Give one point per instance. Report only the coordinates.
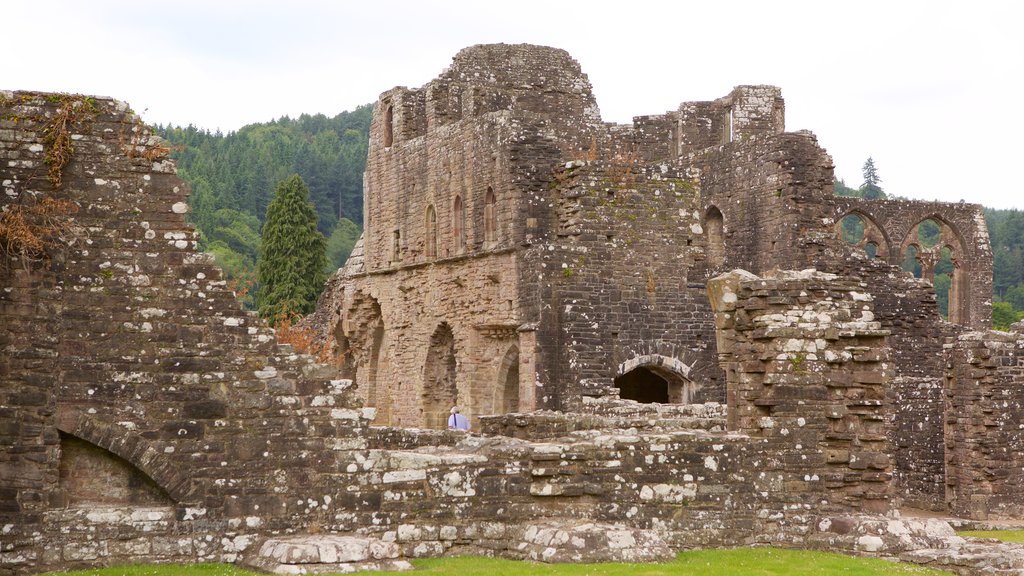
(1004, 535)
(741, 561)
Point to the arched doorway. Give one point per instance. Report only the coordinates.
(508, 383)
(655, 379)
(360, 347)
(439, 390)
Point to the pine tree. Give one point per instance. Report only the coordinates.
(870, 190)
(292, 253)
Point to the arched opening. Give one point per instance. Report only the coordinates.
(857, 229)
(642, 385)
(389, 121)
(431, 226)
(490, 218)
(851, 229)
(458, 233)
(365, 331)
(439, 371)
(651, 383)
(714, 227)
(90, 475)
(911, 263)
(934, 252)
(508, 382)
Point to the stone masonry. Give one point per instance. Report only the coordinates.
(567, 282)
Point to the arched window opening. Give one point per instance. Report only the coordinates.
(714, 227)
(490, 218)
(389, 130)
(508, 382)
(439, 389)
(431, 225)
(934, 251)
(458, 233)
(365, 344)
(872, 249)
(852, 229)
(861, 231)
(647, 384)
(911, 262)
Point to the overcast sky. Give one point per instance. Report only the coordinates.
(928, 89)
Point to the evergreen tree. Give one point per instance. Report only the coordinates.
(292, 253)
(870, 190)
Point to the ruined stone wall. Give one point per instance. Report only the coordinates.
(807, 368)
(983, 417)
(892, 225)
(760, 188)
(124, 337)
(615, 268)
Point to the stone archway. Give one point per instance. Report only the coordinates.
(655, 379)
(362, 342)
(943, 245)
(439, 390)
(866, 234)
(507, 389)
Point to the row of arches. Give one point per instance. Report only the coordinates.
(932, 249)
(366, 358)
(458, 228)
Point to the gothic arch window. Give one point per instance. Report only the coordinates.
(714, 227)
(458, 231)
(431, 232)
(389, 129)
(490, 217)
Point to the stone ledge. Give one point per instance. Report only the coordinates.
(327, 554)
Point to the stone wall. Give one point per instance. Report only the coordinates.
(807, 367)
(985, 427)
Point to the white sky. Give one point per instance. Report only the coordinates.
(929, 89)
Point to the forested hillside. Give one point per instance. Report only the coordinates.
(233, 177)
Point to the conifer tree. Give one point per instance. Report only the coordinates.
(292, 253)
(870, 189)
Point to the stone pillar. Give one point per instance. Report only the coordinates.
(807, 368)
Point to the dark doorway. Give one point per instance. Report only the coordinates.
(642, 385)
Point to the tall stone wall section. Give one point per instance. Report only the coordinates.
(983, 417)
(807, 368)
(617, 264)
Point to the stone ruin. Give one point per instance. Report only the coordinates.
(659, 336)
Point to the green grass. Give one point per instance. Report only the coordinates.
(740, 561)
(1004, 535)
